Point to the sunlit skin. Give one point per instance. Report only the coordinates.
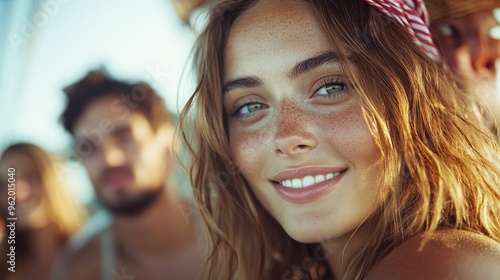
(128, 159)
(286, 116)
(470, 50)
(29, 208)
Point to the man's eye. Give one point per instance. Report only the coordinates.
(85, 148)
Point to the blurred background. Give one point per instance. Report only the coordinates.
(48, 44)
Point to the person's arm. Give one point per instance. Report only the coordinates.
(450, 254)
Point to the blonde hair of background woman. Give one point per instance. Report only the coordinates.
(62, 211)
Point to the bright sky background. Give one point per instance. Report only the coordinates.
(41, 54)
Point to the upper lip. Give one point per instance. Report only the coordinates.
(114, 171)
(303, 171)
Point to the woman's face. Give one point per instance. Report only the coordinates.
(28, 190)
(296, 129)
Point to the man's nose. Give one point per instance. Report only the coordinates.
(112, 155)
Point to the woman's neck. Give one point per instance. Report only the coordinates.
(44, 242)
(42, 247)
(339, 251)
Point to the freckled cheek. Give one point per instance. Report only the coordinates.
(249, 150)
(350, 136)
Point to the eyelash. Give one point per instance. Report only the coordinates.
(238, 106)
(332, 82)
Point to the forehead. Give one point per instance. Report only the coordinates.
(106, 112)
(17, 160)
(276, 17)
(287, 28)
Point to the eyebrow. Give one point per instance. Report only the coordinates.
(119, 129)
(311, 63)
(297, 70)
(245, 82)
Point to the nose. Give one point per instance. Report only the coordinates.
(112, 155)
(292, 137)
(23, 190)
(485, 52)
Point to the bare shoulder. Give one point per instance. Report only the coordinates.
(446, 254)
(81, 264)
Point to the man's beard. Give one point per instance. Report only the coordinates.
(135, 206)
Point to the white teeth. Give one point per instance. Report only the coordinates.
(296, 183)
(319, 178)
(307, 180)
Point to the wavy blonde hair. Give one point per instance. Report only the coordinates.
(62, 211)
(441, 163)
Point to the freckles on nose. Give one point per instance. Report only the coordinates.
(290, 118)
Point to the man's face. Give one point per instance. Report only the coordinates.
(126, 160)
(470, 50)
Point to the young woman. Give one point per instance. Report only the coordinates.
(327, 142)
(46, 215)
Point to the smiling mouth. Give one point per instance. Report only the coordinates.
(309, 180)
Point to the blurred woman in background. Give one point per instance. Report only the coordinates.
(46, 215)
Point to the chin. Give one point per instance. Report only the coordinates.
(309, 234)
(321, 230)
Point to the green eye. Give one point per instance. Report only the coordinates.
(250, 108)
(331, 89)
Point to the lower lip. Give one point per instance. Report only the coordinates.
(308, 194)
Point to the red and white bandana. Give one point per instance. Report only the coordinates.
(412, 15)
